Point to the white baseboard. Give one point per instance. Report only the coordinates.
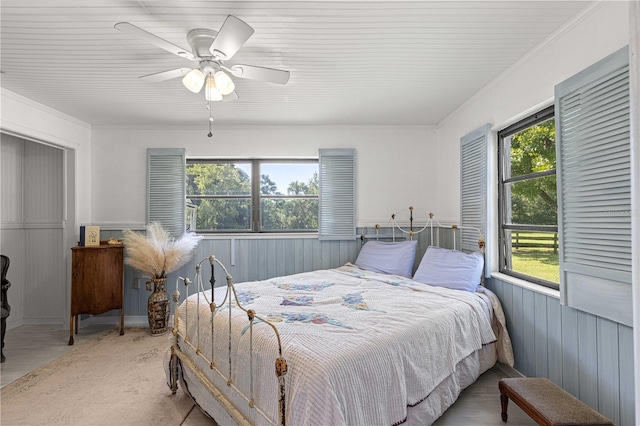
(509, 371)
(41, 321)
(129, 321)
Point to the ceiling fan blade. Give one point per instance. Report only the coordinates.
(230, 97)
(128, 28)
(253, 72)
(232, 35)
(165, 75)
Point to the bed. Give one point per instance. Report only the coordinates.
(365, 343)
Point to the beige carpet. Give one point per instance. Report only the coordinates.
(112, 380)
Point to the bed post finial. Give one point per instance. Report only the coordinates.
(410, 221)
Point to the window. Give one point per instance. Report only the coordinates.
(253, 195)
(528, 202)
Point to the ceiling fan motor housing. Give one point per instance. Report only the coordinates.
(200, 40)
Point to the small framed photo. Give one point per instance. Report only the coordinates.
(92, 236)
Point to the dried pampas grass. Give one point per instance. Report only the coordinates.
(156, 254)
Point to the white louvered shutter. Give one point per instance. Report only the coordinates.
(337, 197)
(594, 188)
(474, 181)
(166, 189)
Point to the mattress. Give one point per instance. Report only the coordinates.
(361, 347)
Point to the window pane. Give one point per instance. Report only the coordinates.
(534, 254)
(294, 178)
(219, 179)
(532, 202)
(289, 214)
(528, 199)
(223, 214)
(532, 150)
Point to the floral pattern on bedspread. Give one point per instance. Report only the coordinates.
(297, 301)
(355, 301)
(313, 318)
(246, 297)
(302, 287)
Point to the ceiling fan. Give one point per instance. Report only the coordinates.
(210, 49)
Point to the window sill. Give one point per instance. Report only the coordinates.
(260, 236)
(526, 284)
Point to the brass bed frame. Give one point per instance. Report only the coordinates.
(178, 355)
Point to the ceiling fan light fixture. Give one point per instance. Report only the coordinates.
(224, 83)
(194, 80)
(211, 92)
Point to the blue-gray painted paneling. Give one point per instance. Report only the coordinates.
(608, 369)
(626, 374)
(589, 356)
(541, 332)
(518, 328)
(570, 368)
(263, 258)
(528, 329)
(554, 340)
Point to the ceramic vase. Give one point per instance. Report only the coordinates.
(158, 307)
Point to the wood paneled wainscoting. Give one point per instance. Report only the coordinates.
(589, 356)
(261, 257)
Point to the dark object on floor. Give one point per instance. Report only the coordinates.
(547, 403)
(6, 309)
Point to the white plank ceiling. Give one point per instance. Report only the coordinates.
(351, 62)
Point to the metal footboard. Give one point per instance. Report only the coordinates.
(179, 357)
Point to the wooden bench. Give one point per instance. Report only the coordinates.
(547, 403)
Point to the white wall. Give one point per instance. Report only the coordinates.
(395, 165)
(528, 86)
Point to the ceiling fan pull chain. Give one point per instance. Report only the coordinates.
(210, 119)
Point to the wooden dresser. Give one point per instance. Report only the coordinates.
(97, 282)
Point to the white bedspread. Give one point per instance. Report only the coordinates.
(361, 347)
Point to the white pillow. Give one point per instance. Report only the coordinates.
(450, 268)
(394, 258)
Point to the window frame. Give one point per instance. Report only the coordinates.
(503, 242)
(255, 196)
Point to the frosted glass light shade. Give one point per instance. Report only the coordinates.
(194, 80)
(224, 83)
(211, 92)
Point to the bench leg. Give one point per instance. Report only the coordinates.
(504, 401)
